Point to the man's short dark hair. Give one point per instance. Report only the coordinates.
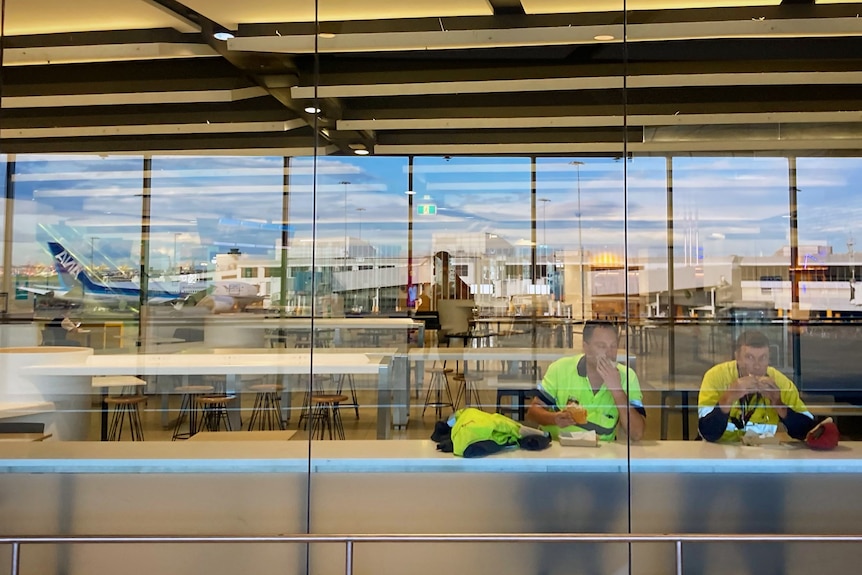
(592, 325)
(752, 339)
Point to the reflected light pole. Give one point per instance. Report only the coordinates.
(359, 212)
(544, 230)
(345, 183)
(92, 238)
(176, 263)
(850, 244)
(578, 165)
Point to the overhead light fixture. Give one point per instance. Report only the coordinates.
(312, 110)
(604, 37)
(362, 152)
(327, 35)
(223, 35)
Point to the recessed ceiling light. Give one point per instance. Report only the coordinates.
(312, 110)
(362, 152)
(604, 37)
(223, 35)
(326, 35)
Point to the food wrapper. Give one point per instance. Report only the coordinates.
(579, 439)
(754, 438)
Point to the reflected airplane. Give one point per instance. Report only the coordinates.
(77, 286)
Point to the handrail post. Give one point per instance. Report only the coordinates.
(348, 559)
(678, 557)
(16, 556)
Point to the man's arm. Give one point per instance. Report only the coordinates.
(538, 413)
(712, 425)
(632, 421)
(714, 405)
(798, 423)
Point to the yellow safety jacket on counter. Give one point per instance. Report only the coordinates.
(473, 425)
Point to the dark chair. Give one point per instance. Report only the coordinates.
(21, 427)
(455, 318)
(431, 319)
(189, 334)
(55, 334)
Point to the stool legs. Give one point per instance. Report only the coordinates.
(266, 412)
(468, 392)
(126, 413)
(188, 410)
(438, 386)
(213, 415)
(317, 387)
(326, 420)
(352, 386)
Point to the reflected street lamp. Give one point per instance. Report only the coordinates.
(578, 165)
(176, 263)
(359, 212)
(345, 183)
(544, 228)
(92, 238)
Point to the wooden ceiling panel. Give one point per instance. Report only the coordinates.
(574, 6)
(25, 17)
(230, 13)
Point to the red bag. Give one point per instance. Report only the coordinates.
(824, 435)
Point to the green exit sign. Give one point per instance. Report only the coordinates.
(426, 209)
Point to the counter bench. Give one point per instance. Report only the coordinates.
(366, 487)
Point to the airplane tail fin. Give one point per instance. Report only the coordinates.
(70, 270)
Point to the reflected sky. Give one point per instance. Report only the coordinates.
(721, 206)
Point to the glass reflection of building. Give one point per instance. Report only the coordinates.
(688, 185)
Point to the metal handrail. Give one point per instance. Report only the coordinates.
(349, 540)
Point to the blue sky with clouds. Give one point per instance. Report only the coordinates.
(733, 205)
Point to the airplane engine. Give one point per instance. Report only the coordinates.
(219, 303)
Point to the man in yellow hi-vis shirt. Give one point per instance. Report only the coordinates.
(747, 394)
(607, 393)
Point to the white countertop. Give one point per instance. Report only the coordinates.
(217, 364)
(318, 322)
(499, 353)
(418, 456)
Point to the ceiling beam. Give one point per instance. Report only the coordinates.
(420, 41)
(507, 7)
(185, 18)
(152, 129)
(579, 83)
(527, 122)
(131, 98)
(103, 53)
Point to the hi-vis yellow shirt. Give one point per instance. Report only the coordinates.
(720, 377)
(565, 383)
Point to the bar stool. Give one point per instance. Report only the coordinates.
(126, 384)
(267, 407)
(467, 390)
(126, 409)
(682, 406)
(351, 385)
(189, 409)
(214, 411)
(438, 386)
(325, 416)
(321, 383)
